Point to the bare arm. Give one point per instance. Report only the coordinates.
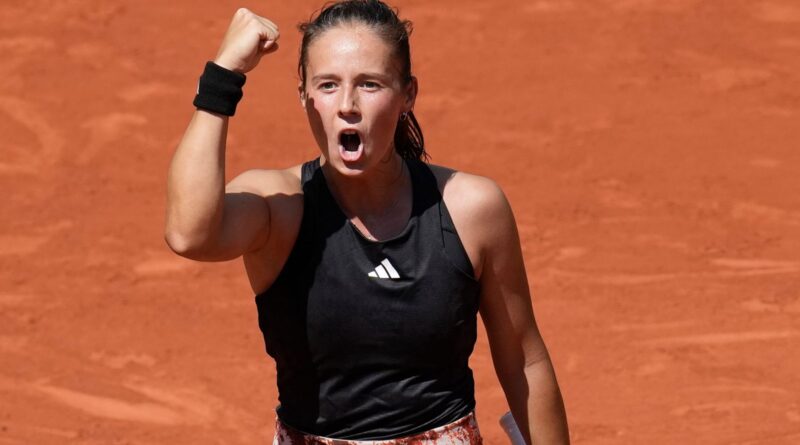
(203, 221)
(519, 354)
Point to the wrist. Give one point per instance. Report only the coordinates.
(227, 64)
(219, 89)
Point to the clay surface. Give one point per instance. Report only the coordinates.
(649, 149)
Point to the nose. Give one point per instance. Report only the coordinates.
(348, 105)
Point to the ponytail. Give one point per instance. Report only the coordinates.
(408, 139)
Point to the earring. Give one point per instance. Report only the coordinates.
(403, 116)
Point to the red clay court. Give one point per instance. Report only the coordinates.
(649, 149)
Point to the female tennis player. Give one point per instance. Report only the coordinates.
(369, 265)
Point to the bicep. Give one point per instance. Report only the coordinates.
(505, 304)
(245, 221)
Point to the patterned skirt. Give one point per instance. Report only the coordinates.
(463, 431)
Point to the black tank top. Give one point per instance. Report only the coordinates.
(372, 339)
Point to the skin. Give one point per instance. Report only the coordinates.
(353, 82)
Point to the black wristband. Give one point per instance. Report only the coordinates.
(219, 90)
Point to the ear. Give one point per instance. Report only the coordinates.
(411, 94)
(303, 96)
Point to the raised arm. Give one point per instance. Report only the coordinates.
(486, 225)
(203, 221)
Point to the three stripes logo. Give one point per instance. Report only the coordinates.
(385, 270)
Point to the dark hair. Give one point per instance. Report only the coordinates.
(408, 140)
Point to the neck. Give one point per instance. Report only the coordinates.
(372, 195)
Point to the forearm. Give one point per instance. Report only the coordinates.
(196, 182)
(546, 416)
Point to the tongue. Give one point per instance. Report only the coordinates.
(350, 142)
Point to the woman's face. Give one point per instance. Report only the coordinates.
(354, 97)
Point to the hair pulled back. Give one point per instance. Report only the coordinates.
(382, 19)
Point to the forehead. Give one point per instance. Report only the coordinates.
(349, 48)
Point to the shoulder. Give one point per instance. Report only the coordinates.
(266, 183)
(480, 212)
(278, 194)
(471, 194)
(282, 193)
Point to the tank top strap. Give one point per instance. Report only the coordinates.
(321, 214)
(425, 191)
(440, 226)
(308, 170)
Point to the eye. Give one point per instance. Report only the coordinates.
(325, 86)
(370, 85)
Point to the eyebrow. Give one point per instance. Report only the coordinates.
(324, 76)
(359, 76)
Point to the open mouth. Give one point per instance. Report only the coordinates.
(350, 140)
(350, 145)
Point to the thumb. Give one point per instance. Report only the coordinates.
(269, 46)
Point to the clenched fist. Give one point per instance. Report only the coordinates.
(248, 38)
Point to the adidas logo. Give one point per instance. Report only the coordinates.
(384, 270)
